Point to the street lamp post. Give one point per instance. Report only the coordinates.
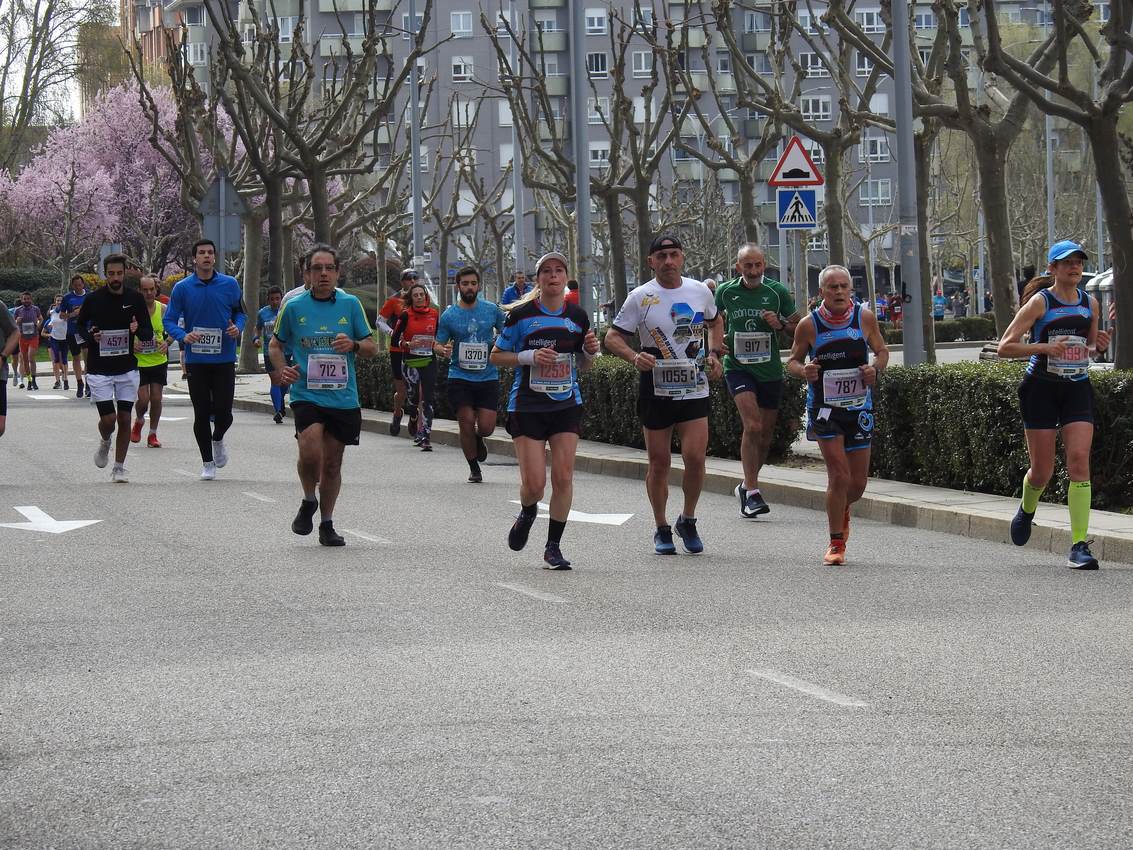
(415, 153)
(581, 146)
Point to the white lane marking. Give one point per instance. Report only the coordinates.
(174, 418)
(371, 537)
(807, 688)
(582, 516)
(185, 472)
(173, 396)
(534, 594)
(257, 496)
(48, 397)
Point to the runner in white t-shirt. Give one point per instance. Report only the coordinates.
(669, 315)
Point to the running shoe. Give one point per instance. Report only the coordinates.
(553, 558)
(55, 386)
(474, 474)
(395, 425)
(663, 540)
(34, 385)
(102, 454)
(219, 453)
(86, 390)
(686, 530)
(78, 389)
(302, 524)
(21, 386)
(1081, 558)
(119, 475)
(328, 536)
(418, 439)
(152, 441)
(278, 418)
(208, 471)
(520, 529)
(66, 385)
(425, 445)
(481, 449)
(412, 426)
(1021, 526)
(835, 554)
(751, 502)
(136, 432)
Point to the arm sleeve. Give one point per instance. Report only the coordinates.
(399, 329)
(239, 312)
(443, 332)
(787, 306)
(509, 340)
(145, 324)
(84, 319)
(629, 317)
(283, 325)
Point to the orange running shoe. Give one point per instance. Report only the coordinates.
(153, 442)
(836, 555)
(136, 432)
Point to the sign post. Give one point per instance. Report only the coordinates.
(223, 210)
(796, 179)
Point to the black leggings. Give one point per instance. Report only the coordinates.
(211, 389)
(420, 385)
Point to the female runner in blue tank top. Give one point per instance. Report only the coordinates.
(1056, 393)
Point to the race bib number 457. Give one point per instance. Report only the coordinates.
(114, 343)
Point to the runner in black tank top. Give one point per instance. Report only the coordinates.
(1056, 393)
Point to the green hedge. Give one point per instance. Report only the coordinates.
(949, 330)
(19, 279)
(609, 393)
(958, 426)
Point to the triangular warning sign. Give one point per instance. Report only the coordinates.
(795, 167)
(797, 213)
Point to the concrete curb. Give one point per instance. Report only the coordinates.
(977, 515)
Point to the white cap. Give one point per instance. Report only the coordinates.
(551, 255)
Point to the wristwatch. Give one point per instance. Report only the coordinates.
(357, 345)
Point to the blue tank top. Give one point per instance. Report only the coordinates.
(1060, 319)
(837, 348)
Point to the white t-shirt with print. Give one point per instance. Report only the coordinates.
(670, 322)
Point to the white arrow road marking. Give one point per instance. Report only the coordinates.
(807, 688)
(39, 521)
(534, 594)
(582, 516)
(371, 537)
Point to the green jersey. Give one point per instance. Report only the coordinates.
(753, 346)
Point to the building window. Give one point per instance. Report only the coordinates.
(194, 16)
(873, 149)
(197, 53)
(966, 21)
(506, 119)
(550, 65)
(248, 34)
(870, 20)
(924, 20)
(876, 193)
(730, 192)
(759, 62)
(407, 30)
(681, 154)
(507, 155)
(925, 53)
(596, 65)
(547, 22)
(812, 65)
(814, 151)
(643, 63)
(643, 20)
(423, 157)
(723, 62)
(286, 28)
(461, 69)
(757, 22)
(810, 23)
(879, 103)
(595, 21)
(864, 65)
(599, 154)
(815, 108)
(463, 112)
(597, 110)
(461, 24)
(817, 243)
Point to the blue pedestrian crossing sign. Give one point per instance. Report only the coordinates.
(798, 209)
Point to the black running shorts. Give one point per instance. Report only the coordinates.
(545, 424)
(479, 395)
(1048, 403)
(344, 424)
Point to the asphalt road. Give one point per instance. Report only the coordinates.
(187, 673)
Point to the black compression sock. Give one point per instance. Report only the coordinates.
(555, 530)
(530, 510)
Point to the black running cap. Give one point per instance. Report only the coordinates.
(660, 243)
(409, 274)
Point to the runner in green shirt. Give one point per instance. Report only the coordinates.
(755, 309)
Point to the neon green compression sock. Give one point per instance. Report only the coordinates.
(1078, 498)
(1031, 495)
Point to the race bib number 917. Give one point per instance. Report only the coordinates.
(752, 348)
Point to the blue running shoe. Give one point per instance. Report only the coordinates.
(663, 541)
(1021, 527)
(1080, 557)
(520, 529)
(553, 558)
(686, 530)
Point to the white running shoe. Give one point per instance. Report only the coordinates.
(219, 453)
(119, 475)
(102, 454)
(208, 471)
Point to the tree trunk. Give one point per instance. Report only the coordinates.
(922, 148)
(498, 243)
(253, 257)
(442, 255)
(1104, 144)
(832, 207)
(617, 244)
(991, 162)
(320, 205)
(273, 200)
(749, 209)
(287, 259)
(644, 237)
(870, 283)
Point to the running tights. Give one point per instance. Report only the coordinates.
(420, 386)
(211, 389)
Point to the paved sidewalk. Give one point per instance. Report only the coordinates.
(978, 515)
